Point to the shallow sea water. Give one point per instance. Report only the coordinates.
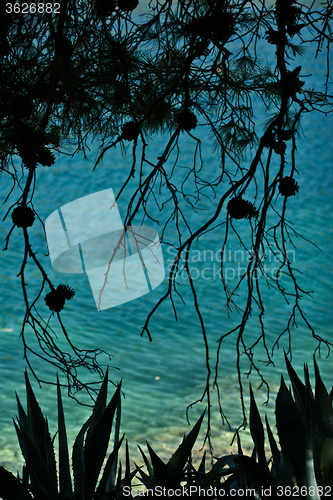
(162, 377)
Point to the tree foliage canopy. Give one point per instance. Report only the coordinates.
(126, 73)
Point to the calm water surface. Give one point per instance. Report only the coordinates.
(162, 377)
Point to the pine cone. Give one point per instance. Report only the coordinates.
(272, 36)
(25, 138)
(64, 47)
(288, 187)
(55, 300)
(187, 120)
(286, 135)
(45, 157)
(21, 107)
(279, 147)
(67, 291)
(241, 209)
(222, 25)
(127, 5)
(293, 29)
(23, 216)
(130, 131)
(292, 84)
(105, 8)
(201, 48)
(287, 13)
(199, 26)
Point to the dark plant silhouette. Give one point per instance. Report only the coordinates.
(98, 69)
(299, 467)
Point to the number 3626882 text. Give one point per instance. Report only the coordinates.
(32, 8)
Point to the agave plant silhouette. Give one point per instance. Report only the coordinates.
(302, 463)
(41, 479)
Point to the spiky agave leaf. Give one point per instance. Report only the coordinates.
(118, 486)
(274, 449)
(99, 406)
(39, 434)
(258, 474)
(10, 485)
(217, 469)
(113, 472)
(145, 479)
(127, 478)
(96, 448)
(23, 419)
(104, 486)
(80, 484)
(179, 458)
(163, 474)
(310, 476)
(323, 406)
(39, 476)
(257, 430)
(326, 463)
(65, 482)
(291, 432)
(299, 389)
(149, 467)
(199, 478)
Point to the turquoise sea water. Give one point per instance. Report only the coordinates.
(162, 377)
